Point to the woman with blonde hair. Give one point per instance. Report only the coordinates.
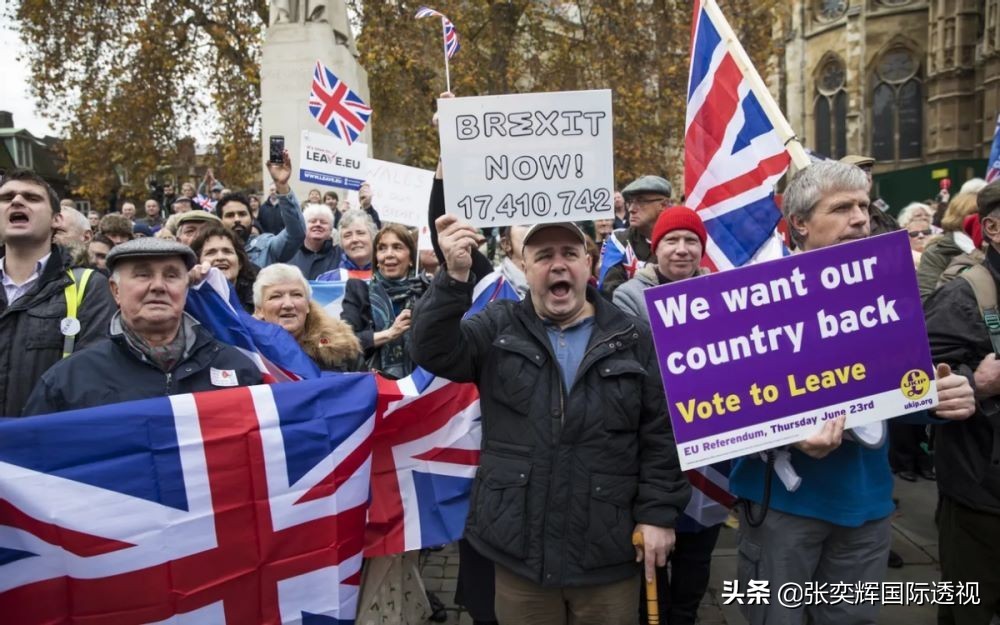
(281, 295)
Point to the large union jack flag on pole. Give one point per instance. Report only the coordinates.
(336, 107)
(735, 146)
(241, 507)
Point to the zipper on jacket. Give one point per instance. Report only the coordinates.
(170, 379)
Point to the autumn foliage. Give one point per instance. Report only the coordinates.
(639, 50)
(124, 82)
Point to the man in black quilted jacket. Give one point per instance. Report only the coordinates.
(577, 450)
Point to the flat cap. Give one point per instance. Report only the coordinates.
(988, 199)
(147, 247)
(181, 198)
(858, 160)
(197, 215)
(648, 184)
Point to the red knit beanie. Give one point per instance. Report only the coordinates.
(678, 218)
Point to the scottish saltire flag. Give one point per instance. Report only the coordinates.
(614, 252)
(277, 355)
(450, 36)
(426, 453)
(336, 107)
(993, 168)
(242, 506)
(733, 156)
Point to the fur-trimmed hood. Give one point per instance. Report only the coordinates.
(330, 342)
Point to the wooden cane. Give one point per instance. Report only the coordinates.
(652, 605)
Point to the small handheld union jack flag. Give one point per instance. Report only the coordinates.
(450, 36)
(335, 106)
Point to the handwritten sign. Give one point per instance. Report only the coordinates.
(328, 161)
(762, 356)
(531, 158)
(399, 193)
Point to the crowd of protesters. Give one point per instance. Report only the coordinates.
(578, 452)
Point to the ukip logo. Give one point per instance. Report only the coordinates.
(915, 384)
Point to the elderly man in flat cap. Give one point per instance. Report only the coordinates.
(645, 199)
(155, 348)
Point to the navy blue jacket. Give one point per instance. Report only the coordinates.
(112, 371)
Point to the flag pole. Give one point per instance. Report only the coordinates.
(444, 45)
(757, 86)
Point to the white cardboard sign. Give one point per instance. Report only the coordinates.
(530, 158)
(328, 161)
(400, 193)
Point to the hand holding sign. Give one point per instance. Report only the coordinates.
(822, 443)
(456, 239)
(956, 400)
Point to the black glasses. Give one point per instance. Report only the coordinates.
(918, 233)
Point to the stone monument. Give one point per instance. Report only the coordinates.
(299, 33)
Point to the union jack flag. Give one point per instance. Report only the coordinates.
(426, 453)
(614, 252)
(993, 167)
(450, 36)
(279, 358)
(242, 506)
(335, 106)
(733, 155)
(205, 202)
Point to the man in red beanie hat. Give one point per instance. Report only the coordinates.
(645, 199)
(678, 244)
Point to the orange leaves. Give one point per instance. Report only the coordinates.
(124, 81)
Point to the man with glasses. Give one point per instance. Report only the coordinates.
(645, 199)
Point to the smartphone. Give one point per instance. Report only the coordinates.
(277, 149)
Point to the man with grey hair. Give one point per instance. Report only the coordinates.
(645, 199)
(73, 227)
(357, 237)
(835, 527)
(155, 348)
(317, 254)
(963, 333)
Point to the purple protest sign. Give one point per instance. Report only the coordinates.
(761, 356)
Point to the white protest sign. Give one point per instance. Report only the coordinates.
(328, 161)
(531, 158)
(400, 193)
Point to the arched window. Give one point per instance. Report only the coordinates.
(830, 110)
(897, 107)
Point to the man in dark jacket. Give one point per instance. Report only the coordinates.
(38, 324)
(577, 451)
(155, 348)
(967, 454)
(645, 199)
(317, 254)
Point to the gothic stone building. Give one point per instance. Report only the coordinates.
(913, 83)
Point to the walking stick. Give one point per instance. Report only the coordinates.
(652, 604)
